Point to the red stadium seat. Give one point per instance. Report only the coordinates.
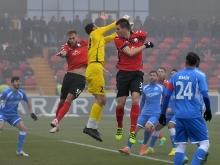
(109, 67)
(155, 52)
(164, 46)
(65, 65)
(217, 73)
(213, 83)
(55, 59)
(171, 59)
(30, 82)
(151, 59)
(3, 64)
(8, 81)
(113, 59)
(204, 67)
(16, 73)
(147, 67)
(209, 59)
(167, 66)
(22, 65)
(182, 46)
(60, 74)
(169, 40)
(153, 40)
(175, 52)
(205, 40)
(187, 40)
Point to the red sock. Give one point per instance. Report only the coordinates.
(134, 113)
(58, 108)
(63, 111)
(160, 136)
(119, 117)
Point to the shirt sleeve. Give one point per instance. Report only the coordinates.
(25, 98)
(65, 48)
(119, 43)
(3, 95)
(103, 30)
(143, 98)
(110, 37)
(202, 84)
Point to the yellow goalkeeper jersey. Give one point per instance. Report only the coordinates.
(96, 46)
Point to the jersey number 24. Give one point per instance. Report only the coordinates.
(184, 91)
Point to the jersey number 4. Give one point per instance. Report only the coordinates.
(184, 91)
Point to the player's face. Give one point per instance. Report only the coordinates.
(16, 84)
(153, 78)
(73, 38)
(121, 32)
(161, 74)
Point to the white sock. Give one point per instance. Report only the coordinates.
(95, 125)
(90, 123)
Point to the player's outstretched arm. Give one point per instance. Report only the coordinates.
(61, 53)
(103, 17)
(33, 116)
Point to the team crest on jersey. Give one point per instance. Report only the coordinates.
(156, 88)
(76, 53)
(135, 40)
(79, 45)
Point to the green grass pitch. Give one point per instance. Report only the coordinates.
(70, 146)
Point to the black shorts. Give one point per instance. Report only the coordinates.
(72, 83)
(129, 81)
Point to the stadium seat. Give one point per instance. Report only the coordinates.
(113, 59)
(209, 59)
(109, 67)
(60, 74)
(167, 66)
(22, 65)
(175, 52)
(213, 82)
(16, 73)
(56, 67)
(147, 67)
(187, 40)
(171, 59)
(8, 81)
(204, 67)
(205, 40)
(3, 64)
(217, 73)
(169, 40)
(30, 82)
(151, 39)
(164, 46)
(151, 59)
(182, 46)
(155, 52)
(55, 60)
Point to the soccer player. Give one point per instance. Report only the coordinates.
(129, 78)
(161, 80)
(150, 110)
(187, 86)
(9, 111)
(170, 122)
(75, 52)
(94, 73)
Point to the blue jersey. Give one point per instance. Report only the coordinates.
(187, 85)
(11, 99)
(203, 74)
(151, 99)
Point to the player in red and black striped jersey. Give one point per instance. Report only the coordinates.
(75, 52)
(130, 45)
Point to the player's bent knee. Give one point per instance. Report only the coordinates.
(171, 125)
(181, 148)
(204, 145)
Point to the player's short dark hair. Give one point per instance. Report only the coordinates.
(153, 71)
(163, 69)
(71, 31)
(174, 70)
(15, 78)
(123, 23)
(89, 28)
(192, 59)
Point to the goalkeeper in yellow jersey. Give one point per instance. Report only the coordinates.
(94, 72)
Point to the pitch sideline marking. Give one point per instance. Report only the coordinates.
(105, 149)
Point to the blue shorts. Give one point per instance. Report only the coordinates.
(170, 118)
(142, 120)
(194, 129)
(12, 119)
